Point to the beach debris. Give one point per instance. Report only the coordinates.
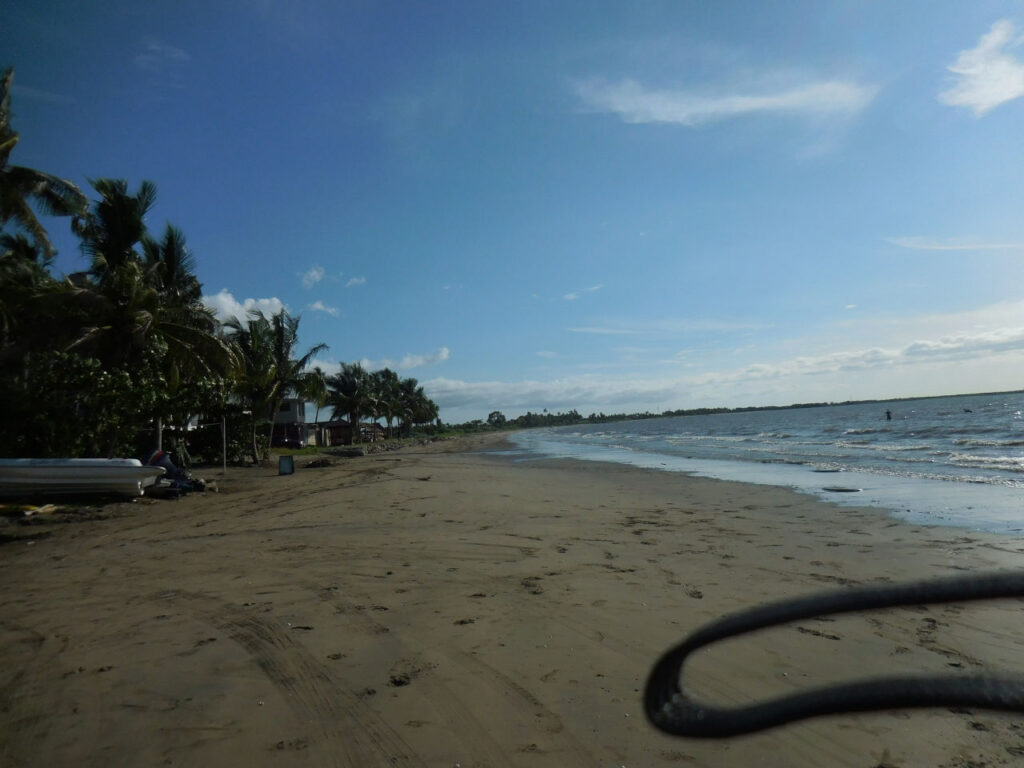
(840, 489)
(464, 621)
(399, 680)
(531, 584)
(423, 479)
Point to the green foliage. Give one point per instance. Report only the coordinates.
(268, 369)
(70, 405)
(205, 443)
(21, 187)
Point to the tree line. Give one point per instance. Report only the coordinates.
(91, 362)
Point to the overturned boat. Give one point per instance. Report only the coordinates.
(32, 477)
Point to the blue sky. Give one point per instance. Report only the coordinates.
(593, 205)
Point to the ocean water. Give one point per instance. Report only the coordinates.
(951, 460)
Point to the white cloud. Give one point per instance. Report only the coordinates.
(850, 306)
(319, 306)
(225, 306)
(931, 358)
(408, 362)
(545, 353)
(329, 367)
(156, 56)
(355, 281)
(931, 244)
(987, 75)
(572, 296)
(636, 103)
(313, 276)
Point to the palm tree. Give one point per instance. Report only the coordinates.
(387, 395)
(268, 370)
(20, 186)
(115, 226)
(314, 390)
(416, 407)
(349, 394)
(128, 304)
(171, 267)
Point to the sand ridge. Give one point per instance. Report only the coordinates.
(441, 607)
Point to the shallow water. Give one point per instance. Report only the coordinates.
(952, 460)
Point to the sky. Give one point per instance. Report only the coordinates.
(613, 207)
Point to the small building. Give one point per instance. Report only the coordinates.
(339, 432)
(290, 429)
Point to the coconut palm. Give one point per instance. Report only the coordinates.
(128, 302)
(387, 395)
(416, 407)
(314, 389)
(171, 268)
(350, 395)
(22, 187)
(268, 369)
(113, 231)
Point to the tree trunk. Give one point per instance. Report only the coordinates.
(255, 448)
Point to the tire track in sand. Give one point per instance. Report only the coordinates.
(344, 729)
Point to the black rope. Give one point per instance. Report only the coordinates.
(674, 711)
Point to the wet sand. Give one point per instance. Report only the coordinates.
(437, 607)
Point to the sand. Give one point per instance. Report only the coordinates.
(443, 607)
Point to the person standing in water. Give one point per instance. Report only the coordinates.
(888, 415)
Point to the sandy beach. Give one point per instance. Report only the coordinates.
(441, 606)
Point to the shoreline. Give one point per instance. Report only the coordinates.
(444, 604)
(946, 503)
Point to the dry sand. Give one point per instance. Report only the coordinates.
(441, 608)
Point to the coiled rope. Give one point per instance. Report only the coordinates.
(671, 709)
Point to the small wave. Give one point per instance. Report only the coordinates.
(967, 442)
(1000, 463)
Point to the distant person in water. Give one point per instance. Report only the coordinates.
(888, 415)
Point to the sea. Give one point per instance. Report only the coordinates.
(939, 461)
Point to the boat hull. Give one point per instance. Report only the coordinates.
(32, 477)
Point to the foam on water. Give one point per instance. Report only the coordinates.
(955, 461)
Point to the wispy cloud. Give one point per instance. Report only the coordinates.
(355, 281)
(157, 56)
(988, 74)
(225, 306)
(573, 295)
(782, 378)
(668, 326)
(604, 330)
(313, 276)
(319, 306)
(547, 354)
(408, 362)
(932, 244)
(634, 102)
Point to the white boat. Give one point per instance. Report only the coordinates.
(30, 477)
